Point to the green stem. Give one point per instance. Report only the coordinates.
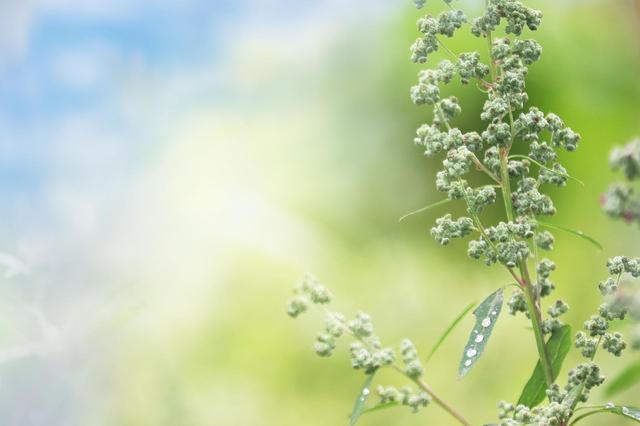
(506, 183)
(536, 319)
(484, 169)
(439, 401)
(442, 403)
(419, 382)
(581, 390)
(533, 307)
(593, 356)
(591, 413)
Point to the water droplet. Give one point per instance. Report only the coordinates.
(493, 312)
(625, 411)
(471, 353)
(486, 322)
(609, 405)
(467, 363)
(365, 391)
(479, 338)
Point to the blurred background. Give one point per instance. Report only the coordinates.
(169, 170)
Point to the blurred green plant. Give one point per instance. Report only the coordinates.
(514, 243)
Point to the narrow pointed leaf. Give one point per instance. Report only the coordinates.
(381, 407)
(558, 346)
(361, 400)
(449, 329)
(486, 315)
(631, 413)
(574, 232)
(424, 209)
(542, 166)
(623, 381)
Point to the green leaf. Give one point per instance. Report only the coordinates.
(558, 346)
(449, 329)
(361, 400)
(424, 209)
(542, 166)
(381, 407)
(629, 377)
(631, 413)
(574, 232)
(486, 315)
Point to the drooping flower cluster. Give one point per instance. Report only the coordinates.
(367, 352)
(622, 199)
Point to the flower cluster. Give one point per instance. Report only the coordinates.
(366, 350)
(622, 199)
(585, 376)
(308, 291)
(622, 297)
(516, 15)
(514, 241)
(404, 396)
(543, 288)
(488, 151)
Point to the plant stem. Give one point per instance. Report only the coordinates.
(484, 169)
(506, 183)
(439, 401)
(419, 382)
(445, 406)
(533, 306)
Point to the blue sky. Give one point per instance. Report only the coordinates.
(72, 60)
(63, 82)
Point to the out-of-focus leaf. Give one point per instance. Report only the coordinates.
(486, 315)
(361, 400)
(629, 377)
(449, 329)
(558, 346)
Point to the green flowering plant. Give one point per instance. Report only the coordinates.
(622, 199)
(514, 244)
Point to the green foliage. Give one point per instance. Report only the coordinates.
(449, 329)
(575, 232)
(486, 314)
(558, 346)
(361, 400)
(630, 413)
(626, 379)
(424, 209)
(511, 243)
